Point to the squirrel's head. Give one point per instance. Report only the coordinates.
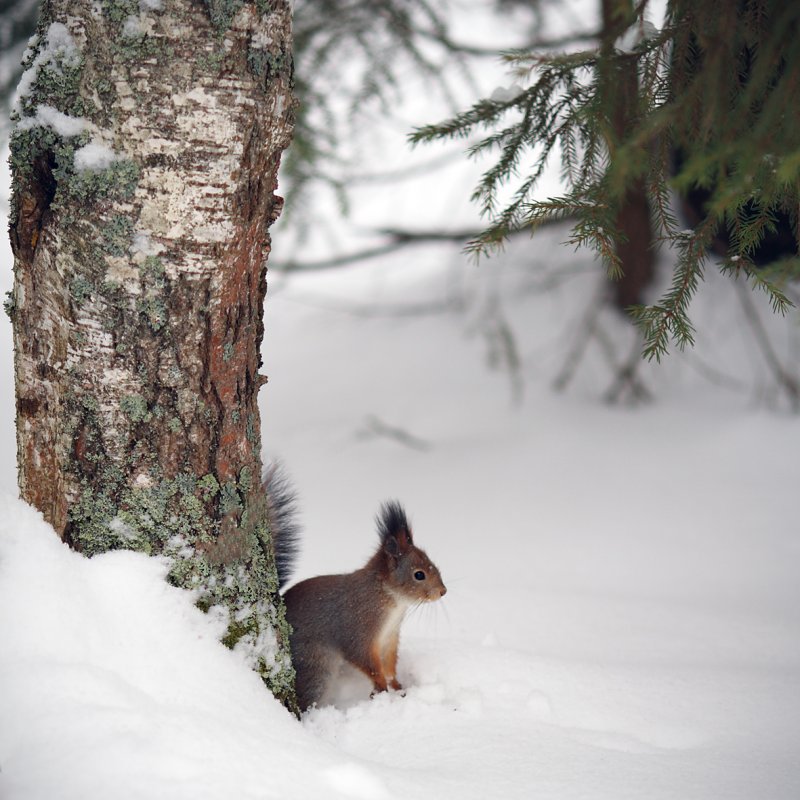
(409, 571)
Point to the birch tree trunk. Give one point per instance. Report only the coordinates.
(144, 164)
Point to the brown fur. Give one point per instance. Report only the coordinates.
(356, 617)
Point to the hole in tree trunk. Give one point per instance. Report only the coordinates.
(34, 201)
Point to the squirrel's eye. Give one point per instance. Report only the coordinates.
(419, 575)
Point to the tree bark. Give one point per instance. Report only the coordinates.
(144, 163)
(635, 247)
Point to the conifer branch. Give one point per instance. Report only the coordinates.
(708, 115)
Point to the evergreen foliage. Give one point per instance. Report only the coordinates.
(714, 110)
(349, 56)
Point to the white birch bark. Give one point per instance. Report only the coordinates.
(144, 163)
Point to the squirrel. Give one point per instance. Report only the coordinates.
(352, 618)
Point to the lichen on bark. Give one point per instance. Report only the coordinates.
(144, 163)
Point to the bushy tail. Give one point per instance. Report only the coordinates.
(282, 518)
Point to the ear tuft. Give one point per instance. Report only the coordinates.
(393, 528)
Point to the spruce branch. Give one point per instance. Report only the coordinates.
(706, 110)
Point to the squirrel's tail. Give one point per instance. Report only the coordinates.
(282, 519)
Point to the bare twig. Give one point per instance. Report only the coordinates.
(494, 52)
(577, 351)
(786, 381)
(373, 309)
(627, 381)
(375, 427)
(398, 239)
(713, 375)
(503, 353)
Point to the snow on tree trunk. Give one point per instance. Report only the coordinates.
(147, 141)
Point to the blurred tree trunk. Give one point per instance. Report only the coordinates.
(144, 168)
(635, 249)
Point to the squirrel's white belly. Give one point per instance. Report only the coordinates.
(390, 630)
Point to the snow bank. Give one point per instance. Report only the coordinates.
(623, 610)
(115, 685)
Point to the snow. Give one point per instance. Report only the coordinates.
(144, 244)
(635, 35)
(94, 156)
(623, 609)
(506, 94)
(59, 50)
(183, 719)
(48, 117)
(132, 28)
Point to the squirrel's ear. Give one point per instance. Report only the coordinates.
(394, 529)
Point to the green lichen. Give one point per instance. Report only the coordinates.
(265, 64)
(204, 604)
(117, 235)
(91, 404)
(180, 518)
(110, 288)
(221, 13)
(185, 483)
(227, 351)
(117, 11)
(237, 630)
(211, 61)
(251, 433)
(152, 305)
(153, 271)
(209, 486)
(37, 146)
(134, 406)
(80, 289)
(246, 479)
(91, 518)
(56, 82)
(136, 47)
(9, 305)
(117, 182)
(43, 156)
(230, 501)
(155, 312)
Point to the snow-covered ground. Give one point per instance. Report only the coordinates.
(623, 614)
(623, 610)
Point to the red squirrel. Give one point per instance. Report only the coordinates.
(352, 618)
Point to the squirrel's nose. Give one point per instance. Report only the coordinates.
(443, 591)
